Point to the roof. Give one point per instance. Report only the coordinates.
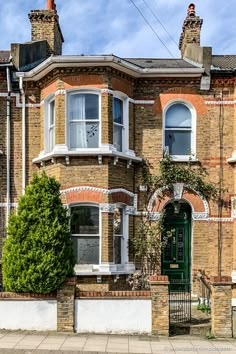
(223, 62)
(160, 63)
(4, 56)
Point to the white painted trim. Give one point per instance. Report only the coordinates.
(18, 103)
(95, 189)
(220, 102)
(103, 61)
(192, 130)
(233, 275)
(12, 205)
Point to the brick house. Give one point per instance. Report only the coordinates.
(90, 121)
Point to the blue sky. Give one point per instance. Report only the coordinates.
(115, 26)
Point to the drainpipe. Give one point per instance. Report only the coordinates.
(8, 140)
(23, 136)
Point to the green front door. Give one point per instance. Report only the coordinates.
(176, 249)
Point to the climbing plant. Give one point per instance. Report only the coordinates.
(152, 235)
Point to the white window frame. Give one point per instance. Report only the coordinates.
(47, 126)
(125, 130)
(78, 265)
(192, 110)
(68, 121)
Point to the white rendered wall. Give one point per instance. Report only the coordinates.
(113, 316)
(28, 315)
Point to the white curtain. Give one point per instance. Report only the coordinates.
(78, 138)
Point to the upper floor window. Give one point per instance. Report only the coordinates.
(85, 233)
(120, 123)
(51, 125)
(83, 119)
(179, 134)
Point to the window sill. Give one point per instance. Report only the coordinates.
(104, 269)
(184, 159)
(105, 150)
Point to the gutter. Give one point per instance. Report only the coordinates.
(8, 141)
(105, 60)
(22, 92)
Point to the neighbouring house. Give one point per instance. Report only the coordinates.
(91, 121)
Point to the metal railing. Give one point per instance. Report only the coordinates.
(204, 298)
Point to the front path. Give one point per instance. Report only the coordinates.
(35, 343)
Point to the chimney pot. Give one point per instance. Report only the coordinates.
(50, 5)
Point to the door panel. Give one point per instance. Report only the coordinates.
(176, 251)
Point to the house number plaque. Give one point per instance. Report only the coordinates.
(174, 266)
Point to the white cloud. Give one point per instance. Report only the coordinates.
(115, 26)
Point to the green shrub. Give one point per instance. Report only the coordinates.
(38, 252)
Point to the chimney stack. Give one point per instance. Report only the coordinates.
(50, 5)
(191, 30)
(45, 26)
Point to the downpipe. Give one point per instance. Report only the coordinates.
(8, 136)
(22, 92)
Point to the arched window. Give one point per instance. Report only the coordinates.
(179, 135)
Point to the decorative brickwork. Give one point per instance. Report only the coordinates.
(113, 294)
(160, 304)
(221, 308)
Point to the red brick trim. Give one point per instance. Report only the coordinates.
(194, 200)
(84, 196)
(121, 197)
(159, 278)
(27, 296)
(196, 100)
(112, 294)
(221, 280)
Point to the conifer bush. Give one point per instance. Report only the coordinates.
(38, 251)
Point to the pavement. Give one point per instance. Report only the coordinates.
(26, 342)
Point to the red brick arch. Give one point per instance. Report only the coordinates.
(84, 196)
(97, 195)
(196, 100)
(193, 199)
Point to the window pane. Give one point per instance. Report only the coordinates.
(51, 113)
(118, 221)
(117, 136)
(83, 106)
(117, 110)
(179, 142)
(86, 249)
(117, 249)
(178, 116)
(84, 135)
(91, 106)
(85, 220)
(51, 139)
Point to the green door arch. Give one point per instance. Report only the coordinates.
(176, 250)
